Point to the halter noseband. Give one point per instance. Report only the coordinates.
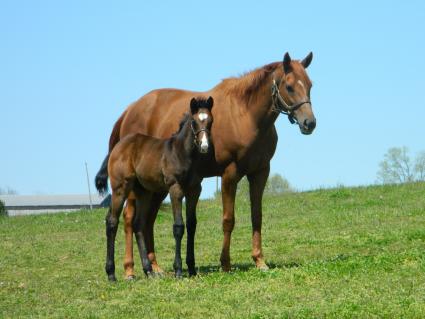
(195, 133)
(280, 106)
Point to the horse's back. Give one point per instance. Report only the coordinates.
(157, 113)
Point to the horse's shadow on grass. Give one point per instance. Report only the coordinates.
(244, 267)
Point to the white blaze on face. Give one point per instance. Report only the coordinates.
(204, 142)
(301, 83)
(202, 116)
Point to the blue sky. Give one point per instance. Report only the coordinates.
(68, 70)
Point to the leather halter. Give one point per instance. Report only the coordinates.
(280, 106)
(195, 133)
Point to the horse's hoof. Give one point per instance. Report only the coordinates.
(130, 277)
(156, 268)
(153, 275)
(158, 271)
(179, 274)
(263, 267)
(112, 278)
(226, 268)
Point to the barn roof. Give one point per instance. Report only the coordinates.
(50, 200)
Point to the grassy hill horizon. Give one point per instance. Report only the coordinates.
(336, 253)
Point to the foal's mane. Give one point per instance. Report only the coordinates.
(248, 83)
(186, 117)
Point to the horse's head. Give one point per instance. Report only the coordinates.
(201, 122)
(291, 93)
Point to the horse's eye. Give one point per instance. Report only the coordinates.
(290, 89)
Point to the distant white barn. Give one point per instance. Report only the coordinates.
(38, 204)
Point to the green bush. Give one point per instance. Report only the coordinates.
(3, 211)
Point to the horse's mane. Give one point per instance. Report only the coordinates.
(248, 83)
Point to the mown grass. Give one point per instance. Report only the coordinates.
(337, 253)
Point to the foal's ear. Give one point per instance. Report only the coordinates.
(287, 63)
(210, 103)
(307, 60)
(194, 106)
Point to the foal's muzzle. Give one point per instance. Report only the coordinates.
(201, 141)
(204, 145)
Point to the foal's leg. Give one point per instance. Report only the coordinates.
(129, 213)
(156, 202)
(257, 182)
(139, 224)
(192, 197)
(176, 195)
(229, 182)
(112, 219)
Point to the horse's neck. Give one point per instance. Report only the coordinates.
(260, 107)
(257, 104)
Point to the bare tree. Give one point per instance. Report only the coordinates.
(276, 184)
(396, 166)
(420, 166)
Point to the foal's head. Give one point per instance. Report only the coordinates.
(201, 121)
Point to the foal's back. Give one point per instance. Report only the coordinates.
(137, 157)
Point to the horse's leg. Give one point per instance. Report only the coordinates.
(112, 219)
(139, 224)
(229, 182)
(129, 213)
(176, 195)
(192, 197)
(156, 202)
(257, 182)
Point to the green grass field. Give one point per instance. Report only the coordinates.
(337, 253)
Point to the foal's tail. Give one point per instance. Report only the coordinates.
(101, 180)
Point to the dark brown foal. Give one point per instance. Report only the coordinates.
(145, 167)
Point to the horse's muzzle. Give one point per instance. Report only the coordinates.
(307, 126)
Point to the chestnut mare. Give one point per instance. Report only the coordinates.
(244, 138)
(145, 165)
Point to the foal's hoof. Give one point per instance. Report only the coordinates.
(179, 274)
(112, 278)
(192, 272)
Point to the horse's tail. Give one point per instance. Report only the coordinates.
(101, 180)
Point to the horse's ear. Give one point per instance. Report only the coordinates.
(307, 60)
(287, 63)
(210, 103)
(194, 106)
